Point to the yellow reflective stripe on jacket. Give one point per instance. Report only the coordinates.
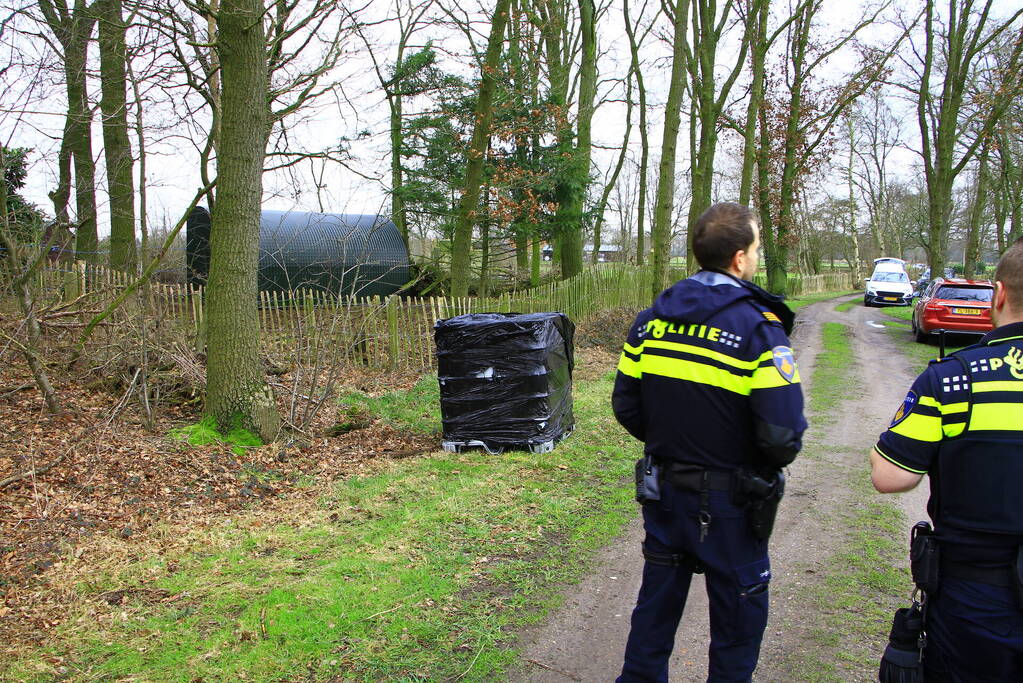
(634, 350)
(919, 427)
(997, 417)
(953, 408)
(630, 367)
(701, 351)
(1008, 385)
(953, 430)
(694, 371)
(769, 377)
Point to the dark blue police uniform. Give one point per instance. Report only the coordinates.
(962, 424)
(708, 382)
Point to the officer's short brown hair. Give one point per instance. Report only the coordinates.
(720, 231)
(1010, 273)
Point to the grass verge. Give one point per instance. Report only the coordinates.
(831, 371)
(847, 305)
(920, 354)
(796, 303)
(417, 571)
(848, 610)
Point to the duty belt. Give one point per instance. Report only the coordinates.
(700, 480)
(995, 576)
(696, 478)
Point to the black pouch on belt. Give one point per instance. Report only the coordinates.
(648, 484)
(924, 558)
(760, 495)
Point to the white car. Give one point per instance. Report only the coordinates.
(889, 285)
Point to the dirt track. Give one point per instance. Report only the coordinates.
(585, 639)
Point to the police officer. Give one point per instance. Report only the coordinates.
(962, 424)
(708, 382)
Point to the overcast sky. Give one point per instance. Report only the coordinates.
(172, 175)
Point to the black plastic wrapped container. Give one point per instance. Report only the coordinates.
(505, 379)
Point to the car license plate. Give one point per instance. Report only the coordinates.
(891, 298)
(966, 311)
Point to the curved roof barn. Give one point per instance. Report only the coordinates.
(346, 254)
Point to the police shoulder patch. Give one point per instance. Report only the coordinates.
(785, 362)
(905, 409)
(771, 316)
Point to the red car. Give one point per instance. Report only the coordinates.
(953, 305)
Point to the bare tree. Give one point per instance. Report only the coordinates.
(953, 45)
(798, 120)
(116, 145)
(664, 205)
(72, 27)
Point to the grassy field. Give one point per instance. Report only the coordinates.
(414, 572)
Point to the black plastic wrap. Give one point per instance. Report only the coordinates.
(505, 378)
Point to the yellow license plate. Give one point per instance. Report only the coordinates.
(966, 311)
(891, 298)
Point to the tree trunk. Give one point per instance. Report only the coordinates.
(116, 146)
(775, 251)
(462, 240)
(73, 32)
(758, 14)
(971, 254)
(665, 201)
(537, 258)
(708, 104)
(86, 236)
(644, 155)
(236, 391)
(853, 242)
(570, 212)
(397, 180)
(520, 227)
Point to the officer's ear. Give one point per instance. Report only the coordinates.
(1000, 296)
(738, 265)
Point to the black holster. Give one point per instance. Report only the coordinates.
(925, 558)
(760, 494)
(648, 480)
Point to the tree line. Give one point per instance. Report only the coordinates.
(488, 132)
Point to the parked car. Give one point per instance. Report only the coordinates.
(888, 285)
(953, 305)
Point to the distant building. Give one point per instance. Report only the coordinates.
(608, 252)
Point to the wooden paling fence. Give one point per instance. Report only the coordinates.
(310, 327)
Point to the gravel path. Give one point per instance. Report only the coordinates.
(585, 639)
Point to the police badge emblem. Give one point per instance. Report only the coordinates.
(905, 409)
(784, 362)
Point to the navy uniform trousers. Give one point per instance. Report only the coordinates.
(974, 634)
(737, 574)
